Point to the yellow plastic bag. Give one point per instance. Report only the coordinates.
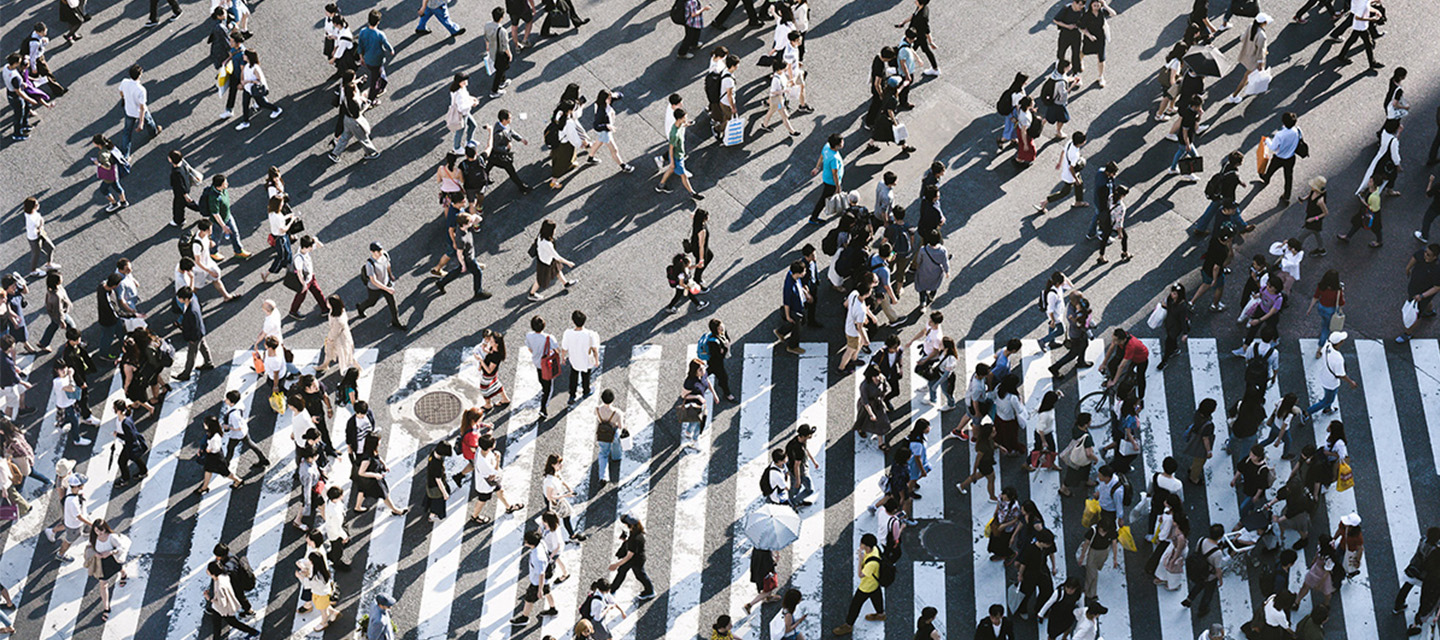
(989, 527)
(223, 76)
(1344, 477)
(277, 402)
(1092, 513)
(1127, 540)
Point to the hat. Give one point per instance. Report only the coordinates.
(64, 467)
(76, 480)
(375, 246)
(384, 600)
(1352, 520)
(807, 430)
(1336, 337)
(1318, 183)
(1263, 18)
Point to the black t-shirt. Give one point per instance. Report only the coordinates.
(1191, 85)
(878, 72)
(1100, 541)
(795, 452)
(1034, 560)
(1189, 122)
(315, 402)
(920, 22)
(635, 544)
(1252, 475)
(1215, 255)
(1300, 501)
(434, 470)
(1423, 275)
(1069, 15)
(1093, 24)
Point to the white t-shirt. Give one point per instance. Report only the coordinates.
(334, 519)
(232, 417)
(1332, 368)
(484, 468)
(275, 365)
(552, 485)
(462, 101)
(135, 96)
(215, 445)
(669, 119)
(73, 510)
(854, 314)
(778, 85)
(1072, 155)
(1171, 484)
(271, 327)
(277, 223)
(1055, 303)
(933, 340)
(1360, 9)
(782, 35)
(577, 344)
(599, 603)
(538, 560)
(1339, 448)
(300, 422)
(545, 251)
(727, 85)
(57, 391)
(33, 224)
(553, 542)
(344, 40)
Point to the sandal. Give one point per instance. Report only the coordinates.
(515, 507)
(236, 484)
(480, 520)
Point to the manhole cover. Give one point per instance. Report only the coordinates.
(438, 408)
(939, 539)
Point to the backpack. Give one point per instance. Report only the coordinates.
(165, 355)
(712, 85)
(678, 13)
(242, 577)
(767, 488)
(1197, 564)
(1214, 185)
(1005, 104)
(1047, 91)
(1129, 498)
(187, 245)
(552, 133)
(831, 242)
(886, 574)
(702, 348)
(1257, 368)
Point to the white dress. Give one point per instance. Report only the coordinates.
(340, 343)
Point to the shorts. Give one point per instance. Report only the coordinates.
(679, 166)
(605, 137)
(482, 496)
(71, 536)
(1209, 279)
(534, 592)
(852, 342)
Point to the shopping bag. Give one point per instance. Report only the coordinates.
(1092, 513)
(1192, 164)
(550, 363)
(489, 65)
(1262, 156)
(1337, 321)
(901, 133)
(9, 511)
(1258, 82)
(257, 362)
(1126, 539)
(1409, 313)
(1157, 317)
(1014, 597)
(1344, 476)
(277, 402)
(627, 441)
(734, 132)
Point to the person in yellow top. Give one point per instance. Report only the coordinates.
(869, 557)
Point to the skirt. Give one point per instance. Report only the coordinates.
(545, 274)
(215, 463)
(1057, 113)
(490, 385)
(109, 568)
(562, 159)
(1007, 434)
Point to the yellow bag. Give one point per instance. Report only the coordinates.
(1262, 158)
(223, 76)
(1344, 477)
(1092, 513)
(989, 527)
(1127, 540)
(277, 402)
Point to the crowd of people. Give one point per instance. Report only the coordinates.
(876, 253)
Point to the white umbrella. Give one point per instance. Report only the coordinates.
(772, 527)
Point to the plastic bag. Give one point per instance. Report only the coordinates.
(1157, 317)
(989, 527)
(277, 401)
(1344, 476)
(1092, 513)
(1126, 539)
(734, 132)
(1258, 82)
(1409, 313)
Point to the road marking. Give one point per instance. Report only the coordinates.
(1384, 423)
(641, 409)
(930, 591)
(812, 392)
(579, 456)
(990, 583)
(687, 548)
(932, 508)
(1044, 483)
(1426, 355)
(753, 434)
(1113, 587)
(1155, 444)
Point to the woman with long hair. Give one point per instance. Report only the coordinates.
(212, 458)
(548, 263)
(107, 163)
(370, 476)
(459, 118)
(489, 357)
(1015, 93)
(558, 494)
(572, 140)
(110, 549)
(253, 85)
(1003, 525)
(339, 342)
(1042, 451)
(1011, 415)
(450, 178)
(605, 129)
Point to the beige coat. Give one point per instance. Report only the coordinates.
(1252, 52)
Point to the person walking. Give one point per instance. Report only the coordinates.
(1178, 313)
(539, 569)
(831, 168)
(1203, 568)
(192, 328)
(133, 447)
(498, 52)
(676, 167)
(223, 604)
(137, 109)
(213, 458)
(467, 255)
(352, 122)
(107, 163)
(995, 626)
(1316, 210)
(694, 21)
(561, 14)
(374, 49)
(1331, 373)
(304, 269)
(794, 300)
(1071, 36)
(1071, 166)
(1283, 147)
(1254, 47)
(438, 9)
(869, 563)
(541, 346)
(932, 267)
(1362, 17)
(215, 201)
(632, 560)
(548, 263)
(1422, 283)
(237, 430)
(502, 155)
(370, 471)
(339, 342)
(41, 247)
(379, 284)
(1112, 222)
(253, 86)
(581, 348)
(605, 129)
(183, 179)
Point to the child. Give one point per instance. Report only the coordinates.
(721, 629)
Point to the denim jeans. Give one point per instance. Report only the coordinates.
(465, 133)
(1325, 401)
(800, 488)
(232, 235)
(441, 13)
(1055, 332)
(941, 384)
(608, 451)
(1185, 150)
(1287, 447)
(1206, 221)
(1239, 447)
(1326, 313)
(283, 254)
(690, 431)
(127, 134)
(69, 418)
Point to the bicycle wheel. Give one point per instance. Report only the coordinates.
(1100, 405)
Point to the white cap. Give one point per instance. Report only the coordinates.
(1262, 18)
(1338, 336)
(1351, 520)
(76, 480)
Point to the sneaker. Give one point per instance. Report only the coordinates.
(646, 596)
(519, 620)
(243, 126)
(671, 309)
(50, 535)
(1233, 100)
(243, 255)
(1421, 237)
(552, 611)
(20, 138)
(458, 32)
(226, 114)
(702, 304)
(696, 197)
(1217, 307)
(332, 157)
(660, 188)
(371, 154)
(685, 56)
(875, 617)
(534, 297)
(1402, 339)
(1172, 137)
(931, 73)
(173, 16)
(842, 630)
(497, 94)
(152, 23)
(92, 421)
(110, 208)
(422, 32)
(625, 168)
(276, 113)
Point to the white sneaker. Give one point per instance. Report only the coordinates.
(1233, 100)
(276, 113)
(497, 94)
(84, 442)
(226, 114)
(1172, 137)
(51, 266)
(1421, 237)
(50, 534)
(243, 125)
(92, 420)
(37, 273)
(1202, 128)
(931, 72)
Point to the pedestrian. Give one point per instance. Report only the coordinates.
(995, 626)
(1071, 35)
(605, 129)
(467, 256)
(777, 96)
(1362, 21)
(677, 157)
(192, 328)
(379, 283)
(1423, 282)
(693, 21)
(374, 48)
(213, 456)
(1189, 130)
(542, 345)
(919, 24)
(557, 497)
(352, 122)
(1055, 94)
(539, 569)
(1071, 164)
(794, 300)
(106, 560)
(223, 602)
(439, 10)
(215, 201)
(304, 269)
(609, 431)
(1330, 376)
(137, 109)
(321, 586)
(370, 471)
(1169, 555)
(1203, 569)
(253, 85)
(869, 569)
(109, 167)
(1060, 609)
(932, 267)
(1283, 147)
(21, 102)
(131, 444)
(548, 263)
(1178, 314)
(581, 348)
(437, 482)
(632, 559)
(1315, 212)
(1112, 222)
(1254, 48)
(831, 168)
(41, 247)
(457, 116)
(1200, 439)
(237, 431)
(1214, 262)
(983, 434)
(183, 178)
(1095, 31)
(569, 139)
(1299, 508)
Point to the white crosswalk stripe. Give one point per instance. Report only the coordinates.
(68, 594)
(1112, 588)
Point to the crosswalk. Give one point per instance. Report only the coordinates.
(454, 579)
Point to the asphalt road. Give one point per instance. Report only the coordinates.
(758, 194)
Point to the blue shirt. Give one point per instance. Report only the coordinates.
(1284, 142)
(832, 168)
(373, 45)
(881, 270)
(794, 297)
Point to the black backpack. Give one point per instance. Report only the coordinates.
(1214, 185)
(1197, 564)
(1257, 368)
(1005, 104)
(552, 133)
(831, 242)
(242, 577)
(678, 14)
(886, 574)
(712, 85)
(1047, 91)
(186, 245)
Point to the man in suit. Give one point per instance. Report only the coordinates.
(192, 327)
(995, 626)
(132, 445)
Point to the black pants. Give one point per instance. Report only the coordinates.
(1065, 188)
(1429, 219)
(1076, 352)
(691, 41)
(232, 89)
(336, 554)
(1357, 222)
(1037, 592)
(21, 109)
(546, 388)
(178, 207)
(1172, 346)
(232, 445)
(1201, 593)
(1138, 370)
(506, 161)
(477, 276)
(790, 333)
(219, 622)
(875, 109)
(1310, 4)
(730, 8)
(378, 81)
(1366, 40)
(826, 190)
(923, 43)
(579, 378)
(155, 8)
(373, 296)
(128, 455)
(681, 294)
(1288, 164)
(1154, 560)
(1435, 149)
(502, 65)
(1070, 39)
(876, 598)
(810, 307)
(259, 100)
(638, 568)
(722, 377)
(558, 8)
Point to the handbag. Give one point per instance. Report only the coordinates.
(9, 511)
(734, 132)
(1409, 313)
(770, 582)
(292, 280)
(1337, 321)
(1258, 82)
(1092, 513)
(990, 527)
(929, 369)
(257, 362)
(901, 133)
(1262, 157)
(627, 441)
(549, 362)
(1245, 8)
(690, 413)
(1192, 164)
(1074, 455)
(1157, 317)
(1344, 476)
(259, 90)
